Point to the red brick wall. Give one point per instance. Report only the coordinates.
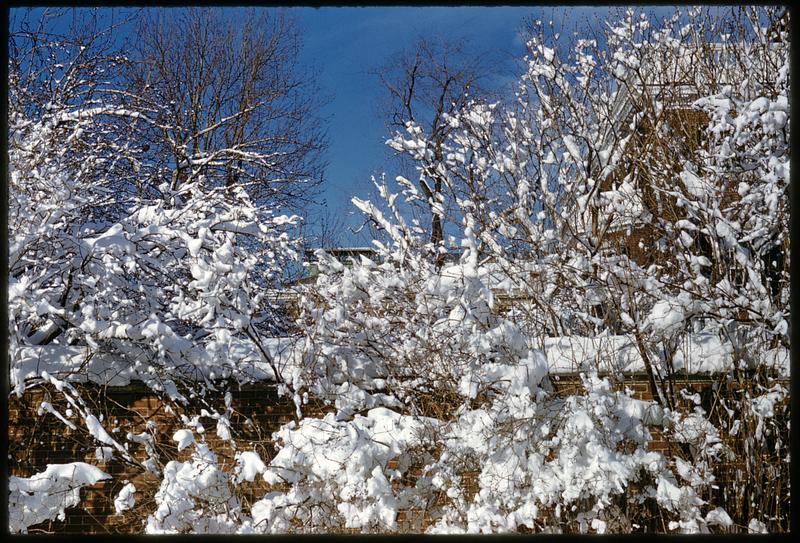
(35, 441)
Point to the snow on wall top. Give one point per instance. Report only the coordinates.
(700, 353)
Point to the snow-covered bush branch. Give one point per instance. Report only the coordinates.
(114, 273)
(635, 190)
(624, 213)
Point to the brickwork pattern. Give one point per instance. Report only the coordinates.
(35, 441)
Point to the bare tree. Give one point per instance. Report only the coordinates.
(232, 102)
(425, 84)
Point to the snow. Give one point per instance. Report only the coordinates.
(184, 438)
(665, 318)
(248, 464)
(46, 495)
(46, 407)
(244, 361)
(695, 185)
(441, 380)
(194, 497)
(778, 359)
(719, 517)
(519, 379)
(125, 500)
(104, 454)
(97, 431)
(755, 526)
(602, 354)
(763, 406)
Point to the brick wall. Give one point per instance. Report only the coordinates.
(35, 441)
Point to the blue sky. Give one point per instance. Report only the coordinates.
(346, 43)
(342, 45)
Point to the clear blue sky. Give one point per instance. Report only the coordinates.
(343, 44)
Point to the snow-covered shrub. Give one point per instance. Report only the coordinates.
(546, 460)
(376, 337)
(125, 499)
(546, 190)
(154, 279)
(195, 496)
(400, 332)
(45, 496)
(343, 474)
(444, 402)
(117, 270)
